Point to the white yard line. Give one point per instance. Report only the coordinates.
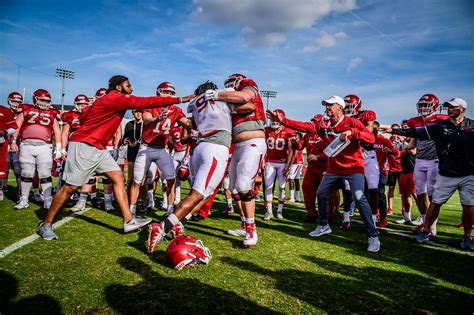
(27, 240)
(395, 232)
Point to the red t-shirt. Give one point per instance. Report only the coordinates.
(259, 113)
(418, 121)
(277, 144)
(38, 123)
(314, 145)
(72, 119)
(158, 134)
(298, 157)
(382, 157)
(7, 120)
(176, 135)
(100, 122)
(348, 161)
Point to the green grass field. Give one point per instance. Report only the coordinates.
(95, 268)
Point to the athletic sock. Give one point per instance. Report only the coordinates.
(133, 209)
(82, 197)
(170, 222)
(229, 202)
(347, 216)
(292, 194)
(249, 220)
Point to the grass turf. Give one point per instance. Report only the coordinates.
(95, 268)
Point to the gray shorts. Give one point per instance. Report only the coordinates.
(84, 161)
(445, 187)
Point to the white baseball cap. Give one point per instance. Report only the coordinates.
(334, 99)
(456, 102)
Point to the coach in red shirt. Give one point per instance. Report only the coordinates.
(348, 164)
(87, 153)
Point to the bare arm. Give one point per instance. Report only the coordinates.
(411, 145)
(244, 109)
(186, 123)
(118, 137)
(19, 121)
(56, 131)
(240, 97)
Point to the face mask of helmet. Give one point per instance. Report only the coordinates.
(275, 125)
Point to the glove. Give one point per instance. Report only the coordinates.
(58, 154)
(115, 153)
(163, 115)
(211, 95)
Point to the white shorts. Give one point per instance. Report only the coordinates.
(295, 171)
(84, 161)
(245, 164)
(36, 157)
(179, 156)
(425, 176)
(445, 187)
(273, 170)
(371, 171)
(208, 167)
(145, 156)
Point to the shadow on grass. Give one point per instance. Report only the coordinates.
(167, 295)
(361, 289)
(37, 304)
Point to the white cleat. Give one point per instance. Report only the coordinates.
(22, 204)
(251, 237)
(79, 206)
(279, 215)
(268, 216)
(47, 202)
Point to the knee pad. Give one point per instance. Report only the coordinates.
(236, 197)
(46, 180)
(27, 179)
(247, 195)
(92, 181)
(106, 180)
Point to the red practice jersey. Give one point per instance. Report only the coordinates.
(298, 157)
(38, 123)
(72, 119)
(277, 144)
(382, 157)
(258, 115)
(100, 122)
(176, 135)
(158, 134)
(432, 119)
(314, 145)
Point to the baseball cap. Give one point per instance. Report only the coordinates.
(334, 99)
(456, 102)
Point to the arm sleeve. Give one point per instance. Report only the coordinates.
(422, 133)
(310, 127)
(125, 102)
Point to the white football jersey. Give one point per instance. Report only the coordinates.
(210, 116)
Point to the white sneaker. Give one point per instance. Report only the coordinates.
(251, 236)
(374, 244)
(279, 215)
(2, 197)
(320, 230)
(404, 221)
(135, 223)
(79, 206)
(22, 204)
(418, 221)
(238, 232)
(268, 216)
(291, 200)
(47, 202)
(298, 200)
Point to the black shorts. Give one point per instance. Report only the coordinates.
(393, 178)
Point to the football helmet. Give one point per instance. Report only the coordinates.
(100, 92)
(281, 114)
(186, 250)
(353, 105)
(427, 104)
(233, 80)
(42, 99)
(183, 172)
(14, 100)
(80, 102)
(165, 89)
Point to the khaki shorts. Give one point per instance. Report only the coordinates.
(445, 187)
(84, 161)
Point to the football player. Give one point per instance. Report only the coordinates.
(295, 172)
(8, 127)
(278, 161)
(248, 135)
(15, 100)
(180, 156)
(37, 125)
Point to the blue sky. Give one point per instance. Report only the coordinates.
(387, 52)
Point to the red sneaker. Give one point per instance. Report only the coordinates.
(382, 223)
(460, 225)
(251, 236)
(156, 233)
(177, 230)
(389, 211)
(345, 226)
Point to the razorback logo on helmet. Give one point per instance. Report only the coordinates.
(353, 105)
(14, 100)
(42, 99)
(165, 88)
(427, 104)
(233, 79)
(100, 92)
(186, 250)
(80, 102)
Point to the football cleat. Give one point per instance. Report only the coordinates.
(22, 204)
(382, 223)
(418, 221)
(135, 223)
(46, 232)
(279, 215)
(238, 232)
(177, 230)
(79, 206)
(345, 226)
(389, 211)
(421, 237)
(251, 236)
(467, 243)
(268, 216)
(108, 206)
(156, 233)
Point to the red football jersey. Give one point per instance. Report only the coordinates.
(430, 120)
(315, 145)
(298, 157)
(101, 120)
(176, 134)
(365, 116)
(277, 144)
(158, 134)
(72, 119)
(37, 123)
(382, 157)
(7, 120)
(259, 113)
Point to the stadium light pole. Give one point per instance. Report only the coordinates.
(64, 74)
(268, 94)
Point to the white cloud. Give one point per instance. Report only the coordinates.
(353, 63)
(324, 41)
(268, 21)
